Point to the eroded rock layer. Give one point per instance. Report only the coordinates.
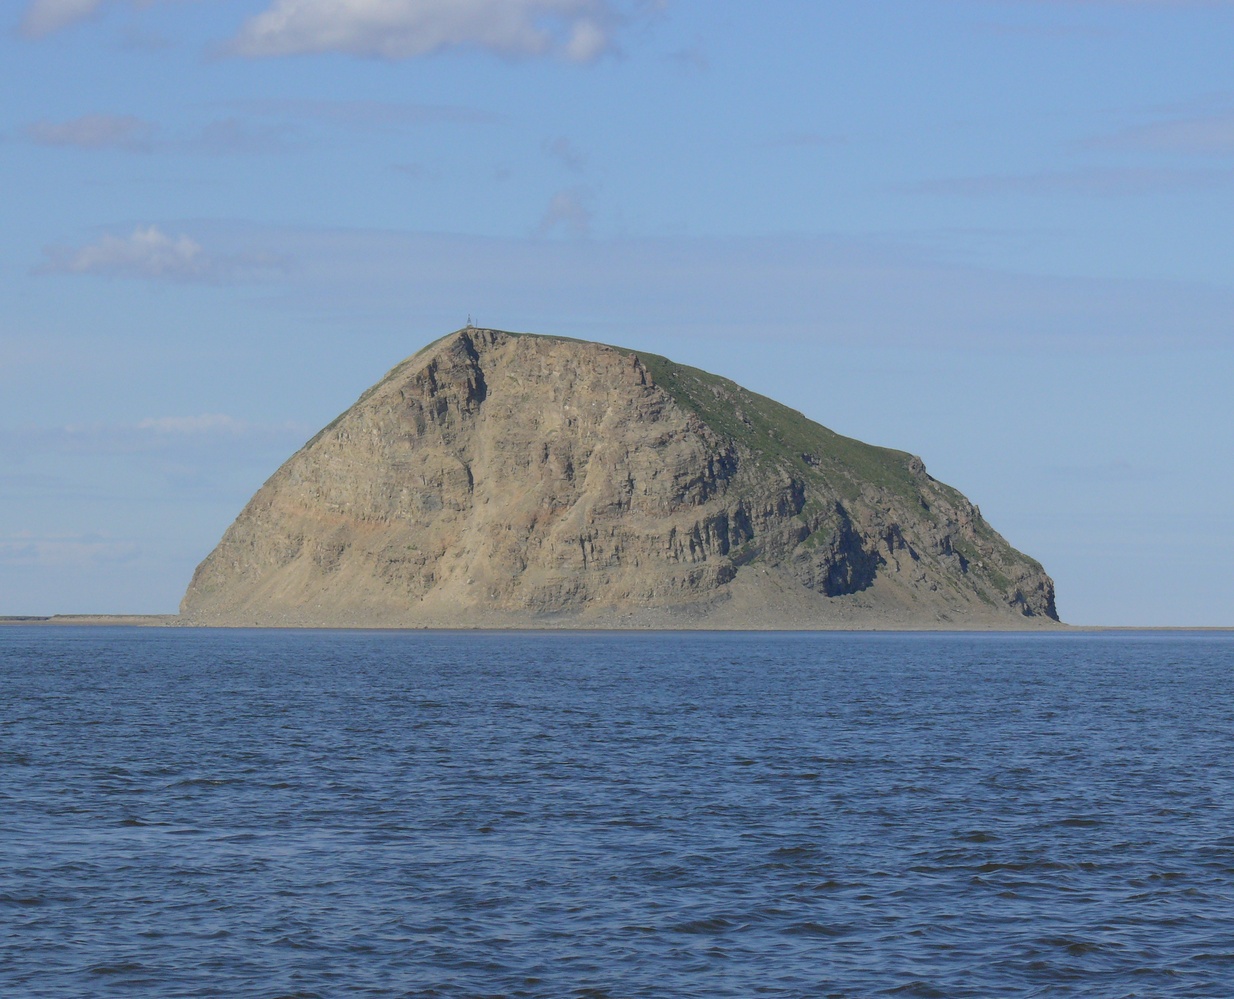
(507, 480)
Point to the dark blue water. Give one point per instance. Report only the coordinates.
(407, 814)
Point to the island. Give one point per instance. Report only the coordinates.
(510, 480)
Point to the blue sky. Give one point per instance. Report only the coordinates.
(995, 234)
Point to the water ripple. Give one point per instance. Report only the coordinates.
(352, 814)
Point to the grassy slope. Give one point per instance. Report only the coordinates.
(791, 440)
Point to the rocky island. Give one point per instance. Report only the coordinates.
(503, 480)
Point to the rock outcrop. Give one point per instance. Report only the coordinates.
(507, 480)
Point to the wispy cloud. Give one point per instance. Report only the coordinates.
(236, 136)
(833, 289)
(206, 423)
(1129, 3)
(577, 30)
(148, 252)
(416, 171)
(1147, 3)
(822, 289)
(382, 115)
(136, 135)
(1210, 135)
(802, 140)
(1063, 29)
(136, 40)
(1046, 32)
(692, 58)
(1119, 470)
(27, 548)
(563, 151)
(1093, 182)
(46, 16)
(94, 131)
(566, 212)
(168, 434)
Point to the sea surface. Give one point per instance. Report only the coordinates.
(276, 814)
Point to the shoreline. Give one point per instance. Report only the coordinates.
(174, 621)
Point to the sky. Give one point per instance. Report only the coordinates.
(998, 235)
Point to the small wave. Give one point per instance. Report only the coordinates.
(715, 924)
(295, 995)
(21, 900)
(1074, 947)
(122, 968)
(916, 988)
(802, 852)
(1022, 866)
(813, 929)
(673, 872)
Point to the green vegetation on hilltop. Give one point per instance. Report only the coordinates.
(772, 430)
(785, 435)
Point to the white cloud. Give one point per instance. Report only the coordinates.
(578, 30)
(566, 211)
(587, 41)
(94, 131)
(146, 253)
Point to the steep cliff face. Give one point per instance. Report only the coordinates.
(504, 480)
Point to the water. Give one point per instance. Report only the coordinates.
(415, 814)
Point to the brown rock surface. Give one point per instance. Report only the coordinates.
(508, 480)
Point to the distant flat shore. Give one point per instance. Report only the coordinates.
(174, 621)
(130, 620)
